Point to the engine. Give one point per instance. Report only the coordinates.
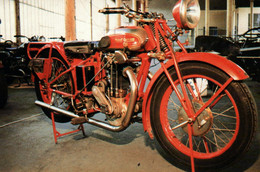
(109, 93)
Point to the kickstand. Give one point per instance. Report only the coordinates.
(57, 134)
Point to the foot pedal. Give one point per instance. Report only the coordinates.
(79, 120)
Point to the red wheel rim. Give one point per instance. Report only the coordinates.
(223, 134)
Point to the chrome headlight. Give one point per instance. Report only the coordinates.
(186, 13)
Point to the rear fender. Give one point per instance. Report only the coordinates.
(220, 62)
(40, 62)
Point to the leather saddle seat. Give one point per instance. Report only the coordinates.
(80, 47)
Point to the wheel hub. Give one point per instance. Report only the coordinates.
(203, 122)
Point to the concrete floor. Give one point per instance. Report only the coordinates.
(28, 145)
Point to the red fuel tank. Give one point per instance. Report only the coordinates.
(132, 38)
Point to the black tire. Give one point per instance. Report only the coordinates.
(64, 83)
(3, 89)
(232, 123)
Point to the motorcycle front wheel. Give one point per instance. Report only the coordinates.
(64, 84)
(220, 134)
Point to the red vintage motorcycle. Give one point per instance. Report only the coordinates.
(196, 104)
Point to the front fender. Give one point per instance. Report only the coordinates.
(230, 68)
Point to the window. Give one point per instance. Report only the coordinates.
(256, 20)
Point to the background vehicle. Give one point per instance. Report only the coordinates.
(244, 51)
(15, 60)
(3, 84)
(249, 59)
(3, 87)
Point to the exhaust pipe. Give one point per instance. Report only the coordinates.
(56, 109)
(71, 114)
(134, 87)
(133, 96)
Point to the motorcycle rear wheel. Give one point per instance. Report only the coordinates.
(221, 133)
(64, 84)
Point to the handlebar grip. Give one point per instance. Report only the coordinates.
(112, 10)
(19, 36)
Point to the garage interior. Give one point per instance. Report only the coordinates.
(26, 134)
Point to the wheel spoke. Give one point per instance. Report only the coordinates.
(216, 89)
(221, 139)
(188, 85)
(194, 143)
(198, 90)
(221, 130)
(182, 136)
(198, 145)
(212, 142)
(215, 138)
(176, 106)
(187, 142)
(180, 125)
(205, 144)
(220, 114)
(203, 85)
(217, 100)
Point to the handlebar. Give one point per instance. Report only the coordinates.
(130, 13)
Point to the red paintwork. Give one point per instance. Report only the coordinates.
(151, 43)
(57, 134)
(129, 37)
(128, 40)
(220, 62)
(232, 69)
(176, 14)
